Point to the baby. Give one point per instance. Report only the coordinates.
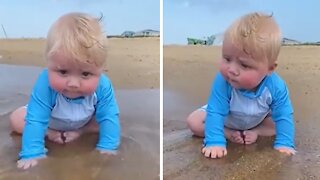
(72, 95)
(248, 99)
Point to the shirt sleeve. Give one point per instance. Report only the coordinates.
(217, 110)
(37, 118)
(282, 115)
(107, 116)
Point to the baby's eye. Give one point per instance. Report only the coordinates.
(227, 59)
(62, 71)
(245, 66)
(86, 74)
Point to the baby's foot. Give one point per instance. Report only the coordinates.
(54, 136)
(250, 136)
(234, 136)
(71, 135)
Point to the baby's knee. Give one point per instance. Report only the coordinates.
(17, 120)
(195, 122)
(196, 119)
(13, 117)
(190, 121)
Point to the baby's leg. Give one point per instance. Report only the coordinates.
(195, 123)
(265, 128)
(233, 135)
(17, 122)
(91, 126)
(55, 136)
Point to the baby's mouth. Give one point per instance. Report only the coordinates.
(231, 80)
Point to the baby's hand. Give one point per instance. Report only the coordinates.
(108, 152)
(286, 150)
(26, 163)
(214, 152)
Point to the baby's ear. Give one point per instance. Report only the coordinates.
(273, 67)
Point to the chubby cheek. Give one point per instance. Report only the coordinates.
(223, 69)
(89, 86)
(56, 82)
(250, 80)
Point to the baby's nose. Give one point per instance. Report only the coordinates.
(73, 82)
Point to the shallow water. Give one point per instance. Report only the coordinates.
(138, 156)
(183, 158)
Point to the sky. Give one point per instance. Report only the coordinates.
(33, 18)
(298, 20)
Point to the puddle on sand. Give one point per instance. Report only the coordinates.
(176, 108)
(138, 156)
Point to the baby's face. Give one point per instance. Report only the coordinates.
(71, 78)
(240, 69)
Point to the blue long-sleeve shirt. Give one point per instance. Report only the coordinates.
(220, 102)
(41, 103)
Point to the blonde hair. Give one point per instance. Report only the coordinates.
(257, 34)
(78, 36)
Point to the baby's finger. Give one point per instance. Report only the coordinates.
(220, 154)
(204, 149)
(213, 154)
(20, 164)
(207, 153)
(27, 165)
(34, 163)
(225, 152)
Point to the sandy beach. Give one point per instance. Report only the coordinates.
(131, 63)
(133, 66)
(188, 75)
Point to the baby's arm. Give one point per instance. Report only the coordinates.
(282, 114)
(109, 134)
(38, 113)
(217, 110)
(284, 141)
(107, 116)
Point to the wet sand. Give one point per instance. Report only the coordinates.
(188, 74)
(136, 86)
